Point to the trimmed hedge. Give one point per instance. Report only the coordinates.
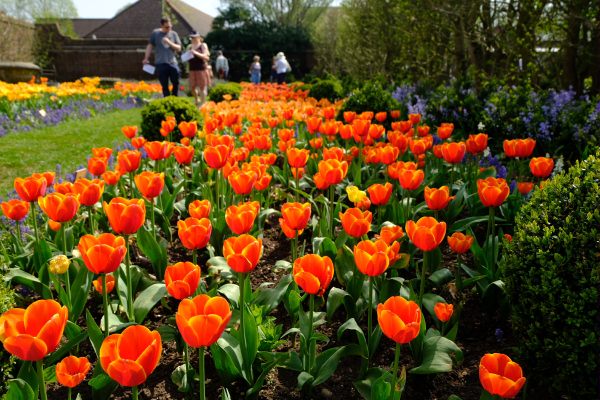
(329, 89)
(157, 111)
(231, 88)
(371, 97)
(552, 275)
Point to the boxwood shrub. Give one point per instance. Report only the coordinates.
(156, 111)
(371, 97)
(329, 89)
(552, 274)
(231, 88)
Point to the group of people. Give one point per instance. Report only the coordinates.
(165, 43)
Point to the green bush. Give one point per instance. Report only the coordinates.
(157, 111)
(329, 89)
(7, 301)
(552, 274)
(371, 97)
(231, 88)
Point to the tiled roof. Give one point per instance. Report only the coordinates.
(83, 26)
(142, 17)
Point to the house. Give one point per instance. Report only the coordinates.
(114, 48)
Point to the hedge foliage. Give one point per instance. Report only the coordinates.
(552, 274)
(157, 111)
(330, 89)
(371, 97)
(230, 88)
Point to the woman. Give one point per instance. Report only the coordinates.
(282, 66)
(198, 68)
(255, 70)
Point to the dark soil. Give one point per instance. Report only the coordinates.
(479, 333)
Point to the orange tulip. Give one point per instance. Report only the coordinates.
(240, 218)
(459, 242)
(129, 160)
(242, 182)
(336, 153)
(381, 116)
(287, 231)
(443, 311)
(399, 319)
(500, 376)
(313, 273)
(111, 177)
(477, 143)
(110, 284)
(411, 179)
(427, 233)
(395, 114)
(102, 152)
(184, 154)
(423, 130)
(15, 209)
(349, 116)
(131, 356)
(297, 158)
(373, 258)
(524, 187)
(419, 146)
(414, 118)
(59, 207)
(33, 333)
(188, 129)
(138, 142)
(355, 222)
(333, 171)
(194, 233)
(31, 188)
(71, 371)
(199, 209)
(492, 191)
(150, 184)
(390, 233)
(437, 199)
(125, 216)
(242, 252)
(454, 152)
(89, 191)
(158, 150)
(55, 226)
(521, 148)
(263, 182)
(313, 124)
(445, 130)
(380, 194)
(96, 165)
(216, 156)
(296, 215)
(541, 167)
(129, 131)
(64, 187)
(202, 320)
(102, 254)
(182, 279)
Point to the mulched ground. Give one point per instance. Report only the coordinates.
(479, 333)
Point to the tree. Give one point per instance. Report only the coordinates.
(283, 12)
(32, 10)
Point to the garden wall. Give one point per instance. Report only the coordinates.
(17, 39)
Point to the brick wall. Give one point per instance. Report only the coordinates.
(17, 39)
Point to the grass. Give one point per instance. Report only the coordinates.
(68, 144)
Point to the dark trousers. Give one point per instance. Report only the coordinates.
(166, 72)
(281, 77)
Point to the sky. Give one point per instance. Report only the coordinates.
(108, 8)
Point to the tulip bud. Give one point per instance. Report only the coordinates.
(59, 264)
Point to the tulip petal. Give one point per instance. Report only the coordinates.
(151, 355)
(26, 347)
(126, 372)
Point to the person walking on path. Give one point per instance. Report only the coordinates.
(282, 66)
(198, 68)
(255, 70)
(222, 66)
(166, 44)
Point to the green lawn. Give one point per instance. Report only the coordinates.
(68, 144)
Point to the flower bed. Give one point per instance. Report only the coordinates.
(272, 253)
(25, 106)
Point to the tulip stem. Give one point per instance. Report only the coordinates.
(423, 272)
(312, 348)
(201, 372)
(91, 217)
(69, 396)
(67, 278)
(492, 222)
(41, 382)
(134, 393)
(331, 194)
(129, 283)
(152, 220)
(34, 218)
(18, 234)
(395, 369)
(242, 283)
(105, 304)
(297, 181)
(370, 317)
